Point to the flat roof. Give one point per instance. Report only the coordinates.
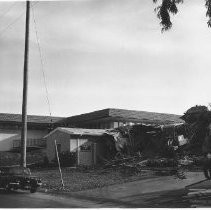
(124, 115)
(110, 114)
(17, 118)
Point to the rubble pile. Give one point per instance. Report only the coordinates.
(127, 164)
(136, 164)
(159, 148)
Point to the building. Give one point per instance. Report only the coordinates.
(113, 118)
(38, 126)
(89, 145)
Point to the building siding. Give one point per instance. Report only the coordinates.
(61, 138)
(7, 136)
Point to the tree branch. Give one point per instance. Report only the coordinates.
(164, 10)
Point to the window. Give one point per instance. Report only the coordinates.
(120, 124)
(116, 125)
(73, 145)
(85, 145)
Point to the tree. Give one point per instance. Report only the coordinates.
(168, 7)
(198, 119)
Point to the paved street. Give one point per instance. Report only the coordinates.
(154, 192)
(24, 199)
(164, 191)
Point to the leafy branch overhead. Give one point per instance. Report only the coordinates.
(168, 7)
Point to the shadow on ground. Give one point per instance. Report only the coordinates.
(162, 199)
(107, 202)
(12, 192)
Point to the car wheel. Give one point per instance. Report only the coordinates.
(33, 190)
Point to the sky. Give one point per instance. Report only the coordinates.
(105, 54)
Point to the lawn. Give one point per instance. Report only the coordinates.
(77, 180)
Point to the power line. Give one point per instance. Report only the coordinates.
(42, 63)
(13, 22)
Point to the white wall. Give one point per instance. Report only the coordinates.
(68, 143)
(8, 135)
(61, 138)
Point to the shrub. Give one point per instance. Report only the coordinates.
(67, 158)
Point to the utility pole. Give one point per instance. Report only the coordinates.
(25, 89)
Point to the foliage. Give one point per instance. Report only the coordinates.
(143, 139)
(168, 7)
(198, 119)
(67, 158)
(9, 158)
(197, 108)
(196, 113)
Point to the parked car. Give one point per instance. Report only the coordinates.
(14, 178)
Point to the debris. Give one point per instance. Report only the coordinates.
(186, 161)
(182, 140)
(180, 174)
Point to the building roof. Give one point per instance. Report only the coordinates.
(17, 118)
(79, 131)
(115, 115)
(123, 115)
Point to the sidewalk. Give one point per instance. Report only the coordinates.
(164, 191)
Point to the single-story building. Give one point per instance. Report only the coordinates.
(37, 126)
(114, 118)
(89, 145)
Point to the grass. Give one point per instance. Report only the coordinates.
(76, 180)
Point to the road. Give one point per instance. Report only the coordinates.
(42, 200)
(160, 192)
(24, 199)
(157, 192)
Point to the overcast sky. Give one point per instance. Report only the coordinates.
(106, 54)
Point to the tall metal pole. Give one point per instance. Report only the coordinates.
(25, 89)
(60, 171)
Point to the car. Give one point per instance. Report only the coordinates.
(17, 177)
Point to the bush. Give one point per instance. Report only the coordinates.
(67, 158)
(33, 157)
